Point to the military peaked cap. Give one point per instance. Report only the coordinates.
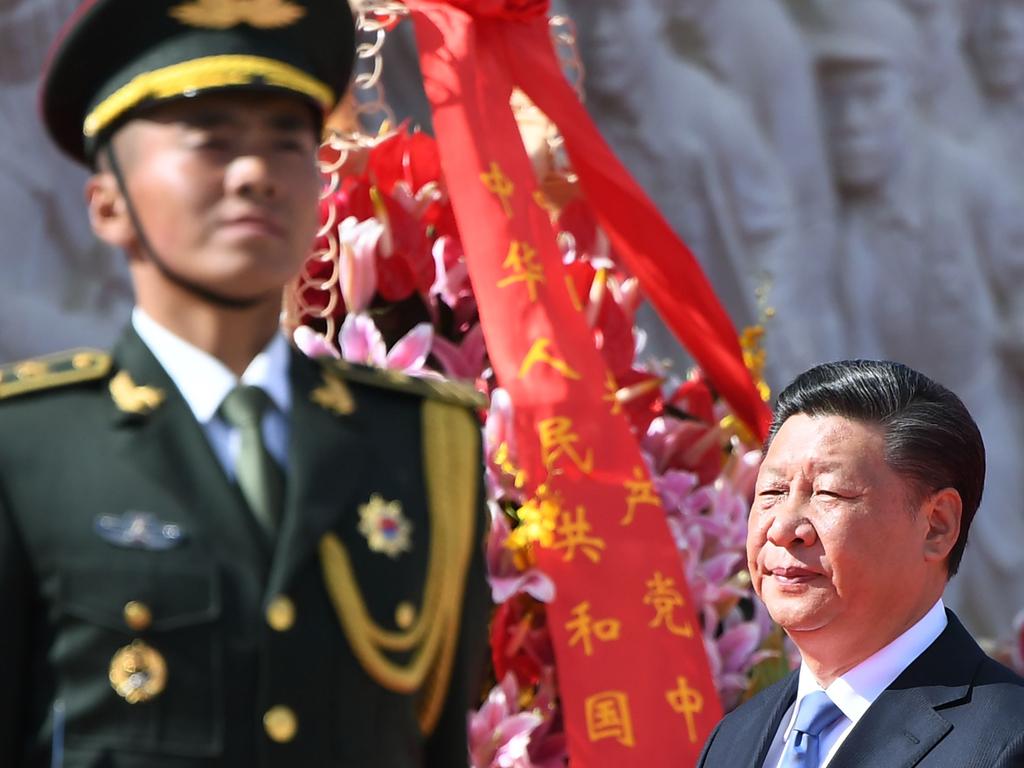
(114, 57)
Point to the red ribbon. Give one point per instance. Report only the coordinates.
(634, 680)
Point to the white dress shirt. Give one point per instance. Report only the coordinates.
(204, 382)
(857, 690)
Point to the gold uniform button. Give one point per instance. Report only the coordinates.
(138, 672)
(405, 615)
(281, 724)
(137, 615)
(281, 613)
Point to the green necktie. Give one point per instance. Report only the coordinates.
(258, 474)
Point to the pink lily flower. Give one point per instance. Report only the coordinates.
(499, 734)
(358, 243)
(313, 344)
(465, 360)
(505, 579)
(361, 342)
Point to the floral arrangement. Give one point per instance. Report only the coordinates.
(388, 286)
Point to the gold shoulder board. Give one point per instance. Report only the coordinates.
(59, 370)
(444, 390)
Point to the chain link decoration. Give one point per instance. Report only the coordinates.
(374, 19)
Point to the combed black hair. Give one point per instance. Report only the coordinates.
(930, 437)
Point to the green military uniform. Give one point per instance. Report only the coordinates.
(149, 618)
(143, 606)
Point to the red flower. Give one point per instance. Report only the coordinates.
(520, 642)
(694, 397)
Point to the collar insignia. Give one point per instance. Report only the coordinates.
(386, 528)
(132, 398)
(333, 395)
(224, 14)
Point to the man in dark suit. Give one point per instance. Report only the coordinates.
(214, 551)
(862, 508)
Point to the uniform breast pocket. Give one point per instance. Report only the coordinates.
(138, 657)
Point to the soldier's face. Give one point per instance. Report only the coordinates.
(996, 38)
(865, 108)
(226, 189)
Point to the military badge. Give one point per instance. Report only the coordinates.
(334, 396)
(224, 14)
(138, 530)
(132, 398)
(386, 528)
(138, 672)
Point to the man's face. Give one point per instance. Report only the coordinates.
(834, 545)
(865, 107)
(226, 188)
(997, 45)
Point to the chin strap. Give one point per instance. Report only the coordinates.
(217, 299)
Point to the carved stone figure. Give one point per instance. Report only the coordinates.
(924, 230)
(755, 48)
(996, 46)
(946, 93)
(60, 288)
(695, 148)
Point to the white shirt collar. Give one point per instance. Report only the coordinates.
(203, 380)
(857, 690)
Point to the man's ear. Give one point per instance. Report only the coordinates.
(942, 511)
(108, 212)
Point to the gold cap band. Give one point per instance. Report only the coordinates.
(197, 75)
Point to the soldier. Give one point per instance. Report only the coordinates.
(926, 235)
(214, 551)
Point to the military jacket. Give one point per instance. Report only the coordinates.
(149, 622)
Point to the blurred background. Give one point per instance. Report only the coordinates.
(848, 172)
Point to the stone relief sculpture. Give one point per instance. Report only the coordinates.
(946, 92)
(60, 287)
(995, 42)
(755, 48)
(923, 229)
(695, 147)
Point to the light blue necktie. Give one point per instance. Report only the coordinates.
(816, 713)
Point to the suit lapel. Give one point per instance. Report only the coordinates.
(902, 725)
(325, 458)
(167, 447)
(772, 714)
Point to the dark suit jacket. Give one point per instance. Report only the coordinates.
(69, 455)
(953, 707)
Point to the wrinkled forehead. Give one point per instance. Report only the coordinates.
(826, 438)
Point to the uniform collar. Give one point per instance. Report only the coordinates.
(203, 380)
(857, 690)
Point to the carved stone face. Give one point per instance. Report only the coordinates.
(866, 108)
(940, 27)
(683, 10)
(613, 35)
(996, 42)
